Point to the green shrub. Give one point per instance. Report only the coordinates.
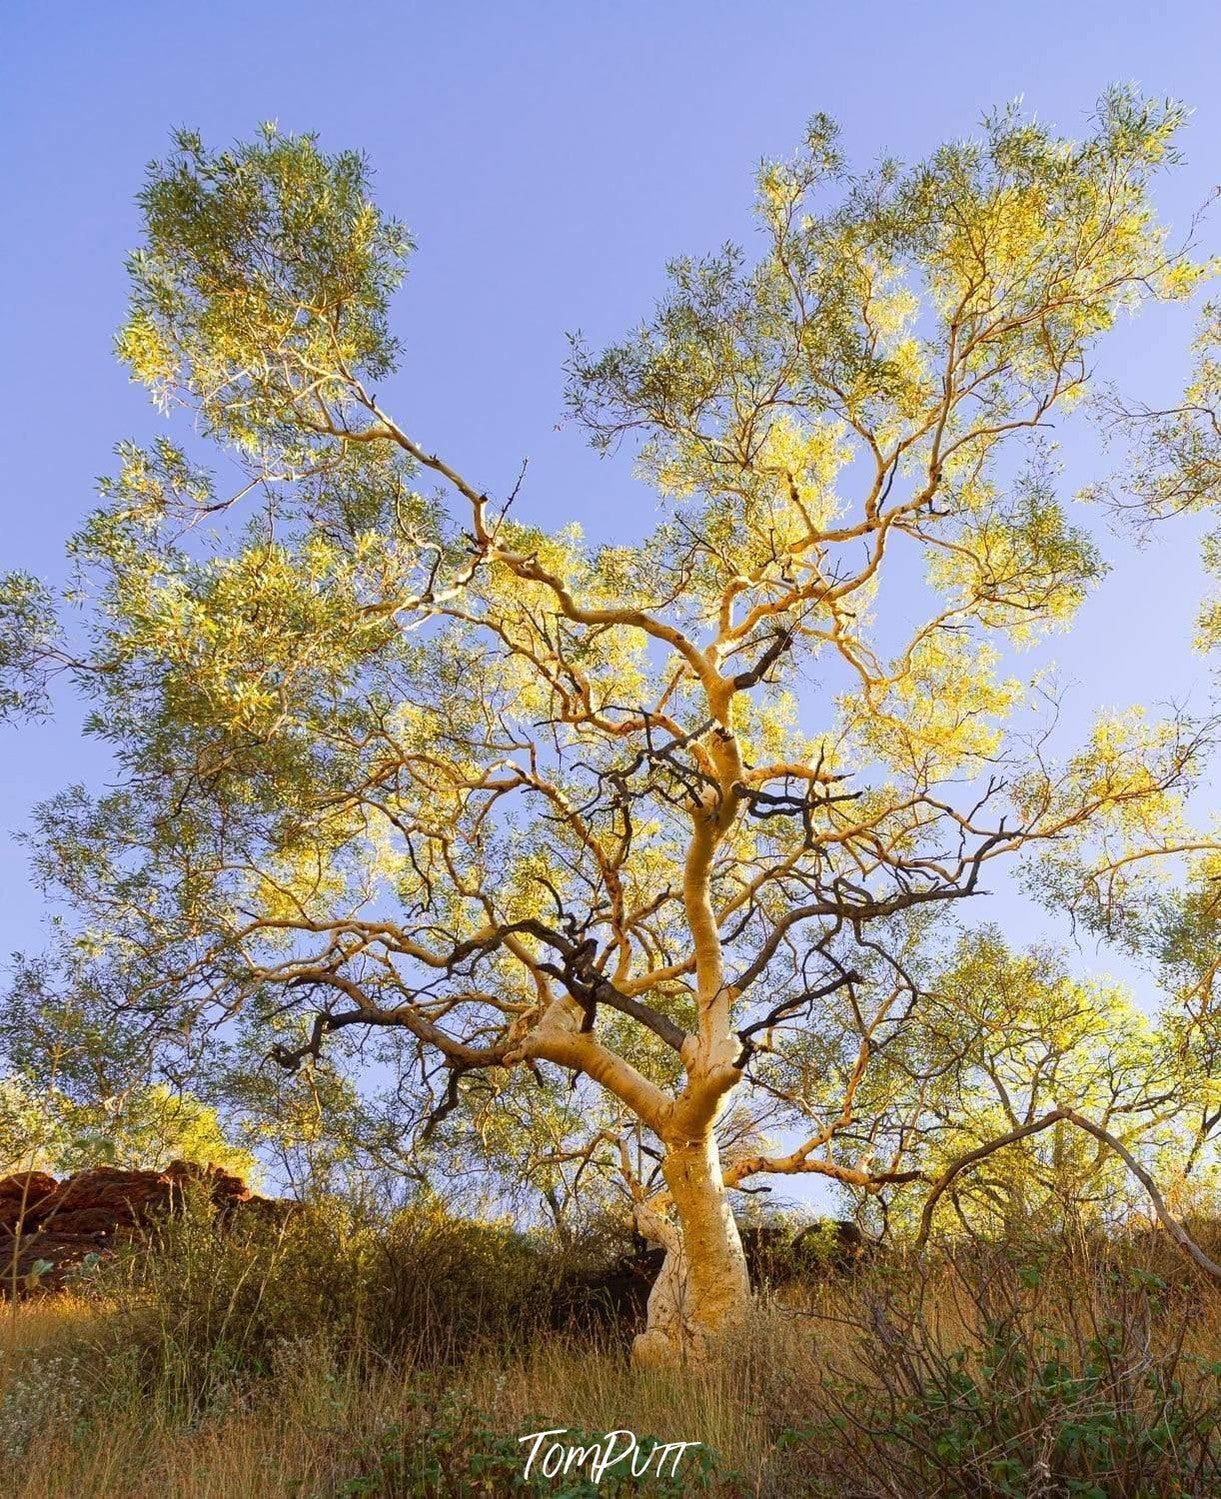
(201, 1305)
(1035, 1386)
(443, 1285)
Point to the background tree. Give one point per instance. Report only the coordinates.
(42, 1129)
(998, 1040)
(78, 1088)
(403, 771)
(1173, 468)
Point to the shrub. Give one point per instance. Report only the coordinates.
(989, 1378)
(443, 1285)
(200, 1305)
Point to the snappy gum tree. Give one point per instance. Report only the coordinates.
(402, 763)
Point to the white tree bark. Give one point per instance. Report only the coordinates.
(702, 1295)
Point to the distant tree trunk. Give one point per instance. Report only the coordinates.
(702, 1294)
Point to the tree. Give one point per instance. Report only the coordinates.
(77, 1089)
(998, 1040)
(401, 771)
(42, 1129)
(1174, 468)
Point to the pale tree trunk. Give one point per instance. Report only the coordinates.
(702, 1295)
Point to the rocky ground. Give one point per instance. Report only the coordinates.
(49, 1228)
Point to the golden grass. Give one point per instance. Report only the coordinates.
(297, 1430)
(84, 1412)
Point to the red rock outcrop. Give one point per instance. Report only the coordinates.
(47, 1227)
(21, 1195)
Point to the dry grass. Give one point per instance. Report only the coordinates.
(119, 1394)
(308, 1427)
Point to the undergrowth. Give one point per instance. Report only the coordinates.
(318, 1357)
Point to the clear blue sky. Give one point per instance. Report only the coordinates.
(548, 157)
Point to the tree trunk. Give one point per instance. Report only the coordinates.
(702, 1294)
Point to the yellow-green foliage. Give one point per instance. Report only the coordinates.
(48, 1129)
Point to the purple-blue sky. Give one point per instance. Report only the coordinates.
(548, 158)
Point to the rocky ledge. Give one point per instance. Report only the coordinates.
(49, 1228)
